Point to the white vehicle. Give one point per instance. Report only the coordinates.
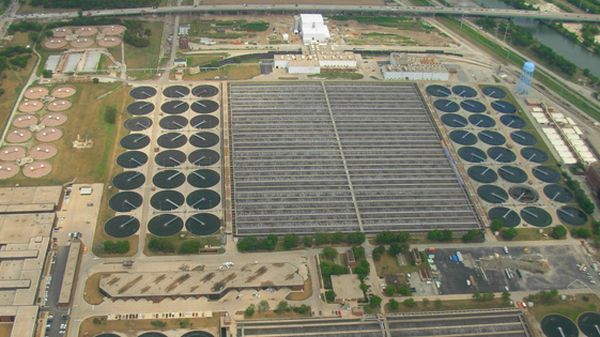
(468, 282)
(505, 250)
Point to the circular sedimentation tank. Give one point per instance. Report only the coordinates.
(140, 108)
(167, 200)
(138, 123)
(536, 216)
(203, 199)
(172, 140)
(204, 157)
(446, 105)
(203, 178)
(512, 174)
(454, 120)
(523, 138)
(176, 91)
(168, 179)
(204, 139)
(125, 201)
(494, 92)
(197, 334)
(558, 326)
(143, 92)
(205, 90)
(203, 224)
(165, 225)
(107, 335)
(524, 194)
(152, 334)
(174, 107)
(482, 174)
(463, 137)
(546, 174)
(534, 155)
(482, 121)
(438, 91)
(558, 193)
(491, 137)
(205, 106)
(122, 226)
(501, 154)
(135, 141)
(572, 216)
(132, 159)
(128, 180)
(513, 121)
(589, 324)
(472, 106)
(472, 154)
(170, 158)
(464, 91)
(204, 122)
(492, 194)
(173, 122)
(509, 217)
(504, 107)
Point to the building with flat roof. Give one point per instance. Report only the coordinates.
(70, 276)
(346, 288)
(316, 58)
(29, 199)
(313, 29)
(414, 68)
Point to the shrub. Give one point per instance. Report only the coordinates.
(508, 233)
(439, 235)
(559, 232)
(329, 253)
(374, 301)
(581, 233)
(378, 253)
(190, 247)
(110, 114)
(303, 309)
(497, 224)
(263, 306)
(394, 305)
(409, 303)
(158, 323)
(116, 247)
(362, 269)
(249, 312)
(474, 235)
(330, 296)
(290, 241)
(397, 248)
(161, 245)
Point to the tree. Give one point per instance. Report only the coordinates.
(263, 306)
(247, 244)
(355, 238)
(389, 291)
(394, 305)
(497, 224)
(474, 235)
(322, 238)
(439, 235)
(397, 248)
(303, 309)
(190, 247)
(329, 253)
(506, 296)
(307, 241)
(378, 253)
(337, 237)
(158, 323)
(250, 310)
(403, 289)
(374, 301)
(508, 233)
(581, 233)
(384, 238)
(290, 241)
(95, 80)
(110, 114)
(409, 302)
(47, 73)
(359, 252)
(330, 296)
(362, 269)
(282, 307)
(559, 232)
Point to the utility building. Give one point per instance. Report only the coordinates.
(409, 68)
(313, 29)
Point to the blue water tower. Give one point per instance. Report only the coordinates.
(524, 85)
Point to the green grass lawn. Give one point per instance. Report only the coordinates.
(205, 60)
(572, 307)
(452, 305)
(144, 58)
(338, 76)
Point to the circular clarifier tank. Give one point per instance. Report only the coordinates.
(152, 334)
(205, 106)
(132, 159)
(507, 215)
(438, 91)
(128, 180)
(172, 140)
(512, 174)
(504, 107)
(513, 121)
(204, 139)
(454, 120)
(523, 138)
(140, 108)
(482, 121)
(197, 334)
(204, 122)
(464, 91)
(472, 154)
(203, 224)
(494, 92)
(135, 141)
(546, 174)
(173, 122)
(536, 216)
(524, 194)
(107, 335)
(174, 107)
(170, 158)
(534, 155)
(143, 92)
(203, 199)
(589, 324)
(491, 137)
(121, 226)
(167, 200)
(558, 193)
(176, 91)
(138, 123)
(482, 174)
(492, 194)
(203, 178)
(572, 216)
(125, 201)
(472, 106)
(204, 157)
(446, 105)
(558, 326)
(205, 91)
(168, 179)
(463, 137)
(165, 225)
(501, 154)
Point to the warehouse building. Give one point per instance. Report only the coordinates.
(313, 29)
(411, 68)
(315, 58)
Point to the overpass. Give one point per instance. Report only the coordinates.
(328, 9)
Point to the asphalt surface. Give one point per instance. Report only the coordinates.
(57, 271)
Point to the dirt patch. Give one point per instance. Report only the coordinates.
(91, 292)
(305, 294)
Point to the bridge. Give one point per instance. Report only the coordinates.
(328, 9)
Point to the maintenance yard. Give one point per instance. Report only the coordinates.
(317, 156)
(488, 269)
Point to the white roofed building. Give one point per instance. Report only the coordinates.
(313, 29)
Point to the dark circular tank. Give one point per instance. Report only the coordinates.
(132, 159)
(121, 226)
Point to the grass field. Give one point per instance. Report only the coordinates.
(148, 57)
(572, 307)
(337, 76)
(387, 265)
(452, 305)
(229, 72)
(204, 60)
